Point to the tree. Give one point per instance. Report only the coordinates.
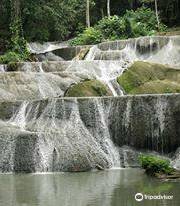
(16, 8)
(108, 8)
(15, 26)
(156, 9)
(88, 14)
(157, 15)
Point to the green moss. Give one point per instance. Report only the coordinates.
(88, 88)
(155, 87)
(144, 77)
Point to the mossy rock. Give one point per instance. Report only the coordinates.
(150, 78)
(88, 88)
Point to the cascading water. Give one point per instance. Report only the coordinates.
(106, 72)
(19, 118)
(69, 134)
(163, 50)
(3, 68)
(104, 62)
(60, 138)
(81, 134)
(152, 49)
(37, 48)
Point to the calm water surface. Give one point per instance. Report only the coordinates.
(104, 188)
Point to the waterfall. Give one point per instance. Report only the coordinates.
(161, 111)
(92, 53)
(56, 135)
(19, 118)
(40, 131)
(127, 113)
(104, 62)
(37, 48)
(3, 68)
(164, 50)
(79, 134)
(176, 160)
(152, 49)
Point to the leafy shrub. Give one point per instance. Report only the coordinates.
(141, 22)
(17, 46)
(154, 165)
(13, 57)
(112, 28)
(143, 15)
(9, 57)
(89, 36)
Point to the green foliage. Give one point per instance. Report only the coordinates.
(112, 28)
(52, 20)
(10, 57)
(154, 165)
(17, 49)
(88, 37)
(18, 45)
(141, 22)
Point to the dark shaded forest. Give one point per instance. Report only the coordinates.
(58, 20)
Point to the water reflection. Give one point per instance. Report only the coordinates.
(105, 188)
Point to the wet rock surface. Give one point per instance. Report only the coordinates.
(40, 131)
(78, 134)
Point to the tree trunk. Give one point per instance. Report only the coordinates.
(157, 15)
(87, 14)
(15, 8)
(102, 13)
(108, 8)
(131, 4)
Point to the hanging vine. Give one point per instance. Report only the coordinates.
(17, 42)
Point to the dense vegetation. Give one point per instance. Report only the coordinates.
(154, 165)
(51, 20)
(141, 22)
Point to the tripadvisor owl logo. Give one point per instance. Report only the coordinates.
(139, 197)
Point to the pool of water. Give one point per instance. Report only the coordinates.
(98, 188)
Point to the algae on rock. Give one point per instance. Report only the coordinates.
(88, 88)
(150, 78)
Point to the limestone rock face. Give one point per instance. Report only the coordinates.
(161, 50)
(52, 136)
(30, 86)
(49, 56)
(79, 134)
(150, 78)
(52, 79)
